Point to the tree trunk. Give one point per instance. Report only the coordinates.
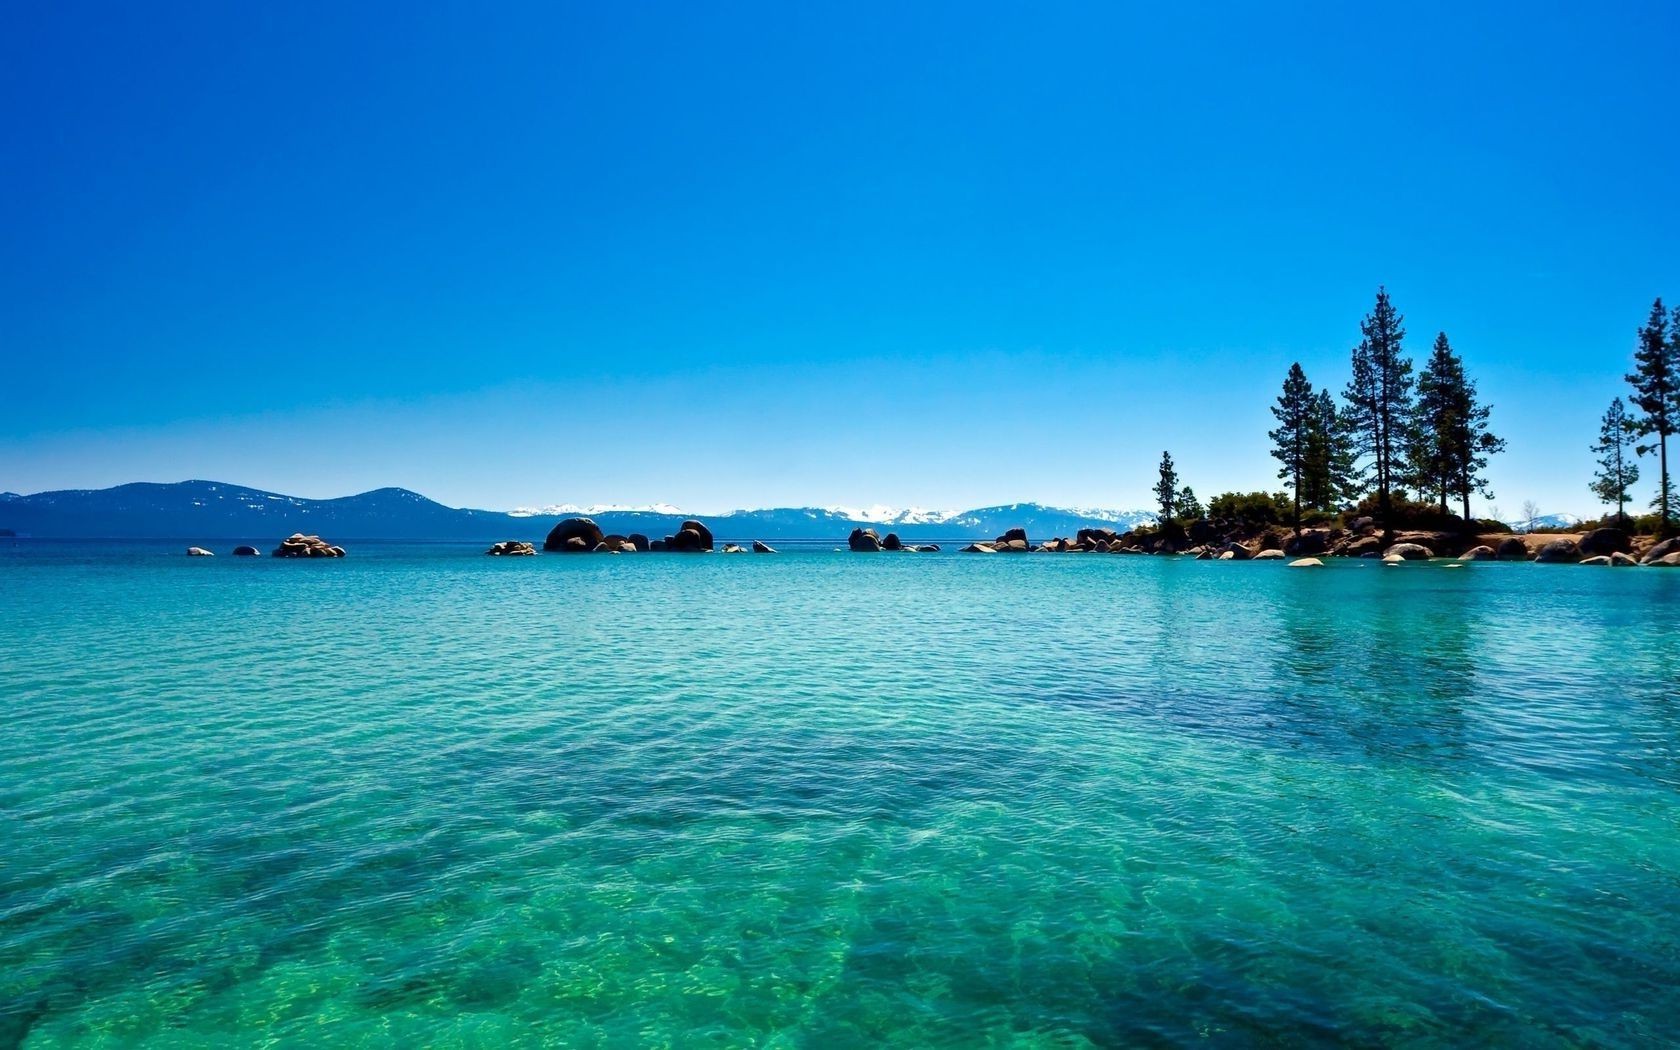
(1663, 526)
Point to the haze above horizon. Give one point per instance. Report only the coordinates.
(757, 256)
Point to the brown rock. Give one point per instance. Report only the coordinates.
(583, 530)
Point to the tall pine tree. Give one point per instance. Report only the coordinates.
(1292, 440)
(1435, 423)
(1380, 402)
(1656, 394)
(1166, 489)
(1451, 442)
(1330, 476)
(1617, 472)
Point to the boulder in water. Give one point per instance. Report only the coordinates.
(1483, 553)
(1513, 549)
(760, 547)
(1306, 563)
(512, 548)
(1409, 552)
(297, 545)
(892, 542)
(864, 541)
(573, 535)
(1270, 555)
(245, 552)
(199, 552)
(1559, 551)
(1604, 541)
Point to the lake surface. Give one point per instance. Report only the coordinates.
(424, 797)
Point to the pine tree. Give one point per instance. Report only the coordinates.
(1166, 489)
(1292, 441)
(1189, 507)
(1656, 394)
(1330, 476)
(1616, 471)
(1435, 423)
(1450, 442)
(1380, 401)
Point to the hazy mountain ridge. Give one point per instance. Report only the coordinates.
(216, 510)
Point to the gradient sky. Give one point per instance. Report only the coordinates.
(770, 254)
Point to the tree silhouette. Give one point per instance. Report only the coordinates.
(1292, 441)
(1617, 472)
(1380, 401)
(1656, 394)
(1166, 489)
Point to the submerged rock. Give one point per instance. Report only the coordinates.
(1270, 555)
(734, 548)
(1597, 559)
(199, 552)
(760, 547)
(1621, 559)
(1306, 563)
(246, 551)
(512, 548)
(979, 548)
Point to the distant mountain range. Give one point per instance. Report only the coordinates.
(212, 510)
(1545, 523)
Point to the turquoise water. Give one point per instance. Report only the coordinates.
(424, 797)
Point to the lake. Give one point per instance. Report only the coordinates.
(424, 797)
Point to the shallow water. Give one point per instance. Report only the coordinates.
(424, 797)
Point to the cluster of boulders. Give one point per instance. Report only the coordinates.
(582, 535)
(511, 548)
(297, 545)
(868, 541)
(1361, 539)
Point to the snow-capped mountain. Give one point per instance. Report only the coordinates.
(216, 510)
(1544, 523)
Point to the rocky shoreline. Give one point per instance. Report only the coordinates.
(1201, 540)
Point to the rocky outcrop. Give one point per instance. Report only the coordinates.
(1667, 561)
(1362, 547)
(1483, 553)
(864, 541)
(1661, 551)
(691, 537)
(512, 548)
(1559, 551)
(1604, 542)
(734, 548)
(297, 545)
(1409, 552)
(200, 552)
(1512, 549)
(760, 547)
(1308, 541)
(574, 536)
(246, 551)
(892, 542)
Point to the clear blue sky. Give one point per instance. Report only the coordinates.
(768, 254)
